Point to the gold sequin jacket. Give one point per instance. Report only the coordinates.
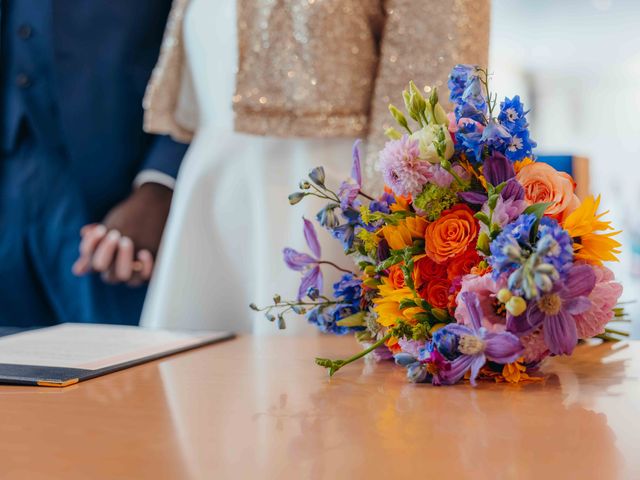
(327, 68)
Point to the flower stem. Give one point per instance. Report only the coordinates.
(334, 266)
(335, 365)
(368, 197)
(335, 197)
(617, 332)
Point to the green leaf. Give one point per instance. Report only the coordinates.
(407, 303)
(483, 217)
(389, 262)
(537, 209)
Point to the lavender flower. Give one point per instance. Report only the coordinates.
(402, 168)
(301, 262)
(556, 309)
(475, 345)
(350, 189)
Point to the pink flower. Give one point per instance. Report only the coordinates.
(485, 289)
(440, 177)
(412, 347)
(535, 348)
(603, 298)
(401, 167)
(504, 213)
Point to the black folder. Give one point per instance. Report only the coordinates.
(66, 354)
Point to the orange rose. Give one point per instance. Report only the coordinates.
(396, 276)
(463, 264)
(452, 234)
(425, 270)
(543, 183)
(436, 292)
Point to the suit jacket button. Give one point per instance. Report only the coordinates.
(23, 80)
(25, 31)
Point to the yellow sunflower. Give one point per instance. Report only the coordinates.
(587, 228)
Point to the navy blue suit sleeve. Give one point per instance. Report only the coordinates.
(165, 155)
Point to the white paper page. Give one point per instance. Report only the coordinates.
(89, 346)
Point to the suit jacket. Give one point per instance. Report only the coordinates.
(76, 71)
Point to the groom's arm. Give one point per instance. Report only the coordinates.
(124, 245)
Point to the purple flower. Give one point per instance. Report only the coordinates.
(311, 238)
(512, 190)
(311, 280)
(297, 261)
(556, 309)
(348, 194)
(302, 262)
(356, 170)
(475, 345)
(504, 212)
(497, 169)
(349, 189)
(401, 167)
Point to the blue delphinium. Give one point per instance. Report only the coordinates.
(347, 292)
(345, 233)
(325, 319)
(512, 115)
(556, 243)
(348, 289)
(469, 140)
(458, 79)
(519, 146)
(508, 246)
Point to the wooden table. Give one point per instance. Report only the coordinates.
(258, 408)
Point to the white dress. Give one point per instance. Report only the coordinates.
(230, 216)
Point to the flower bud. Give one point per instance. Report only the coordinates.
(404, 359)
(296, 197)
(504, 295)
(483, 243)
(392, 134)
(399, 117)
(417, 373)
(516, 306)
(317, 176)
(440, 115)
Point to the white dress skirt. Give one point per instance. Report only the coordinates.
(230, 218)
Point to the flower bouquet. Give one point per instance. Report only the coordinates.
(477, 261)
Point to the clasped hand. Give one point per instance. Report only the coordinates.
(123, 247)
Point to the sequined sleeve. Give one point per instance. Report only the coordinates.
(422, 41)
(169, 82)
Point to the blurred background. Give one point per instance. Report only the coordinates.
(576, 64)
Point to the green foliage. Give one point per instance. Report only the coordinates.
(434, 200)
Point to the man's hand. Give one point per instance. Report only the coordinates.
(124, 245)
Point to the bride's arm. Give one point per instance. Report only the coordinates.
(422, 41)
(169, 104)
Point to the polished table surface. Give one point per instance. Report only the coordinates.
(258, 407)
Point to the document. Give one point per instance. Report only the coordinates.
(70, 352)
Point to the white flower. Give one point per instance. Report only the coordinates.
(428, 138)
